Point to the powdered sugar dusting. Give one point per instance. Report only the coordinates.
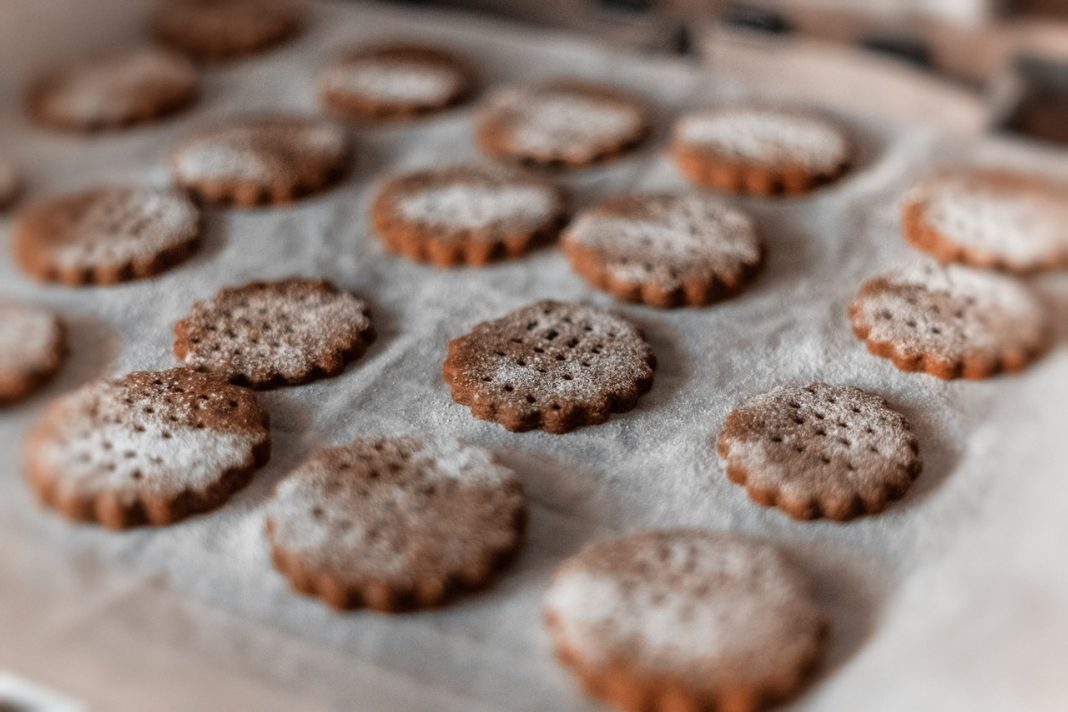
(952, 311)
(119, 225)
(558, 122)
(154, 434)
(768, 137)
(393, 80)
(30, 339)
(551, 352)
(714, 610)
(281, 329)
(261, 150)
(1013, 220)
(397, 509)
(665, 237)
(480, 207)
(823, 443)
(115, 87)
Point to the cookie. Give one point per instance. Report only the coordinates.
(106, 235)
(266, 334)
(394, 82)
(684, 619)
(10, 183)
(989, 218)
(32, 347)
(395, 523)
(213, 30)
(151, 447)
(114, 90)
(550, 365)
(820, 451)
(561, 124)
(665, 249)
(951, 322)
(760, 150)
(466, 214)
(262, 159)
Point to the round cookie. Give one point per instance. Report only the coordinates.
(395, 82)
(684, 619)
(989, 218)
(395, 523)
(466, 214)
(212, 30)
(10, 183)
(951, 321)
(146, 448)
(32, 348)
(262, 159)
(106, 235)
(114, 90)
(566, 123)
(820, 451)
(665, 249)
(266, 334)
(760, 150)
(550, 365)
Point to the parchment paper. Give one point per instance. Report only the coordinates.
(954, 599)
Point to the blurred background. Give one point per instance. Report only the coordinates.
(995, 64)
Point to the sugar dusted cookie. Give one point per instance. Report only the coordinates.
(213, 30)
(262, 159)
(665, 249)
(550, 365)
(566, 123)
(106, 235)
(399, 81)
(146, 448)
(114, 90)
(989, 218)
(32, 347)
(760, 150)
(267, 334)
(951, 321)
(685, 619)
(395, 523)
(820, 451)
(466, 214)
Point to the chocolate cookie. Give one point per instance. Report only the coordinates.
(395, 523)
(466, 214)
(213, 30)
(665, 250)
(106, 235)
(114, 90)
(951, 321)
(550, 365)
(146, 448)
(990, 218)
(820, 451)
(262, 159)
(32, 347)
(566, 123)
(685, 619)
(399, 81)
(760, 150)
(267, 334)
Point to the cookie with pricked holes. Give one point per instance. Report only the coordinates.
(151, 447)
(395, 523)
(820, 451)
